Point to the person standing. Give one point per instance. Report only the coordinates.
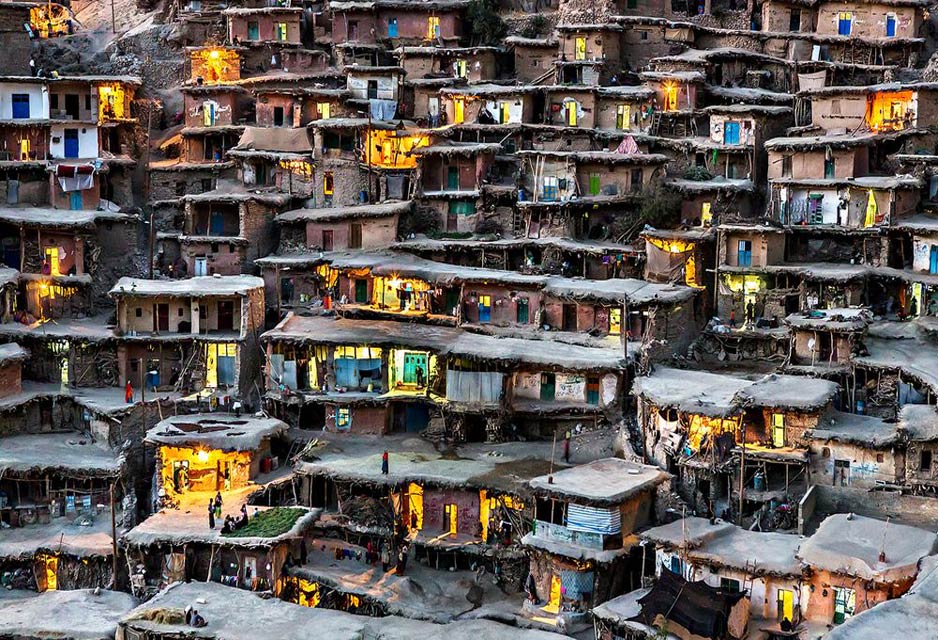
(211, 514)
(385, 557)
(384, 463)
(566, 448)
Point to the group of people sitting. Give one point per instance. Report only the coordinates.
(232, 524)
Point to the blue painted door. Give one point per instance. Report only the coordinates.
(844, 23)
(485, 309)
(933, 260)
(71, 143)
(731, 133)
(75, 202)
(392, 28)
(890, 26)
(413, 361)
(20, 103)
(346, 373)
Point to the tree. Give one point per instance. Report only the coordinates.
(488, 28)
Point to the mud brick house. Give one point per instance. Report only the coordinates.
(179, 545)
(57, 254)
(704, 427)
(707, 202)
(746, 255)
(881, 565)
(851, 450)
(877, 108)
(444, 366)
(341, 228)
(211, 452)
(825, 340)
(53, 486)
(623, 108)
(762, 566)
(534, 57)
(675, 256)
(489, 104)
(469, 64)
(219, 316)
(395, 23)
(224, 230)
(278, 159)
(588, 54)
(581, 546)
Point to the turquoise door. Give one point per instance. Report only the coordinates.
(75, 201)
(392, 28)
(413, 361)
(933, 260)
(731, 133)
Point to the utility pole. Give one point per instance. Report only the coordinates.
(368, 154)
(113, 19)
(113, 541)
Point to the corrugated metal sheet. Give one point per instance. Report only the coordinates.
(593, 519)
(474, 386)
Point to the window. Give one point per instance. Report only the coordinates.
(324, 109)
(20, 104)
(728, 585)
(353, 30)
(462, 69)
(254, 31)
(829, 168)
(207, 184)
(180, 188)
(794, 20)
(343, 418)
(281, 32)
(138, 312)
(706, 214)
(925, 461)
(623, 116)
(278, 116)
(778, 429)
(844, 23)
(580, 49)
(615, 321)
(835, 107)
(328, 183)
(54, 101)
(433, 27)
(643, 35)
(786, 166)
(890, 25)
(744, 253)
(677, 565)
(551, 188)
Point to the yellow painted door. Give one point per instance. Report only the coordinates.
(581, 48)
(786, 604)
(453, 519)
(50, 566)
(52, 257)
(553, 602)
(571, 114)
(459, 111)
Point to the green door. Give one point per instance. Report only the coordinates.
(413, 361)
(522, 310)
(594, 184)
(548, 386)
(452, 301)
(361, 291)
(452, 178)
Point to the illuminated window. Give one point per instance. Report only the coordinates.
(580, 49)
(24, 149)
(328, 183)
(433, 27)
(551, 188)
(462, 69)
(706, 215)
(459, 110)
(281, 31)
(52, 258)
(778, 429)
(670, 96)
(623, 116)
(615, 321)
(325, 110)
